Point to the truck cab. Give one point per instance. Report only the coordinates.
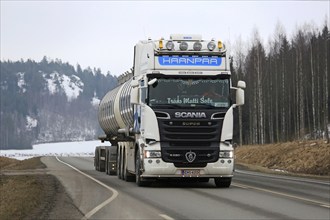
(182, 110)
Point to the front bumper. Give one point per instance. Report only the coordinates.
(157, 168)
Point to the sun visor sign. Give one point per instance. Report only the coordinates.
(202, 61)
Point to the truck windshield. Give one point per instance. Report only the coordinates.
(203, 93)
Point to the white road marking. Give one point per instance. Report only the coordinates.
(100, 206)
(282, 194)
(166, 217)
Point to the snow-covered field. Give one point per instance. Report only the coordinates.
(63, 149)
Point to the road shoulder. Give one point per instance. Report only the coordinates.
(46, 195)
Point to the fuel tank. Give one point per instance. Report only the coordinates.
(115, 110)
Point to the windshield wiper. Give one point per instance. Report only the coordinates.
(166, 106)
(202, 106)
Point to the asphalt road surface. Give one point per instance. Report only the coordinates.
(251, 195)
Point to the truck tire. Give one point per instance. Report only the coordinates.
(222, 182)
(128, 177)
(95, 163)
(118, 165)
(96, 160)
(102, 166)
(122, 165)
(125, 174)
(107, 162)
(138, 179)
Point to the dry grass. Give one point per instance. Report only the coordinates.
(21, 195)
(4, 162)
(12, 164)
(309, 157)
(26, 194)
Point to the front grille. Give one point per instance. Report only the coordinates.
(181, 135)
(179, 130)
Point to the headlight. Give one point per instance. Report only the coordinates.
(211, 45)
(226, 154)
(197, 46)
(170, 45)
(153, 154)
(183, 45)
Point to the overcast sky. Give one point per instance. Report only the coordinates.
(102, 34)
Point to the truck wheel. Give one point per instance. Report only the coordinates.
(128, 177)
(96, 161)
(138, 178)
(102, 166)
(125, 174)
(222, 182)
(107, 162)
(123, 167)
(118, 165)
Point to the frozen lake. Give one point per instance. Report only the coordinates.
(64, 149)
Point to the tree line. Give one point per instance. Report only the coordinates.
(287, 94)
(24, 93)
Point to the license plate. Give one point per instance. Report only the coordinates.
(190, 173)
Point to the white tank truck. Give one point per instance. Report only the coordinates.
(172, 115)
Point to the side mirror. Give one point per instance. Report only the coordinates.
(239, 96)
(241, 84)
(135, 95)
(151, 82)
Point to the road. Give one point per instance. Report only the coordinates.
(251, 196)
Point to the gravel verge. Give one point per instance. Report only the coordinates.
(31, 193)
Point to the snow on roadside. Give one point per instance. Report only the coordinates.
(63, 149)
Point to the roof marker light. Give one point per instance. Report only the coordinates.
(197, 46)
(161, 44)
(170, 45)
(183, 45)
(211, 45)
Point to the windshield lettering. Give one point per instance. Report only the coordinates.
(179, 100)
(190, 92)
